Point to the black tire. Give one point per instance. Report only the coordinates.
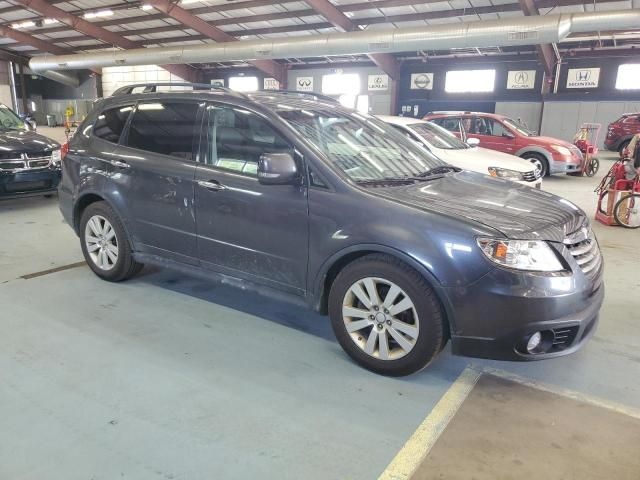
(544, 165)
(623, 145)
(431, 337)
(592, 167)
(125, 266)
(634, 199)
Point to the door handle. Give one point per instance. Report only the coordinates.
(213, 185)
(120, 164)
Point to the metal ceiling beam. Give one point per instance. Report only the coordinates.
(184, 71)
(546, 51)
(270, 67)
(354, 7)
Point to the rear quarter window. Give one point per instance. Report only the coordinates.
(110, 123)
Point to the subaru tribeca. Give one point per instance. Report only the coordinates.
(291, 192)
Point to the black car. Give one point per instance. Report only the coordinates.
(292, 193)
(29, 162)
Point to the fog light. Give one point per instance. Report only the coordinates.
(534, 342)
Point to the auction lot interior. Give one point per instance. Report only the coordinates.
(532, 141)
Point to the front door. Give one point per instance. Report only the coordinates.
(157, 154)
(244, 228)
(493, 134)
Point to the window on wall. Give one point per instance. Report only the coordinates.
(243, 84)
(628, 76)
(465, 81)
(341, 84)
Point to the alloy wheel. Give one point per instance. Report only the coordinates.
(101, 242)
(380, 318)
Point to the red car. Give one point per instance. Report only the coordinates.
(621, 131)
(489, 130)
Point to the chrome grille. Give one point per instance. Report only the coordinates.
(27, 162)
(583, 247)
(531, 176)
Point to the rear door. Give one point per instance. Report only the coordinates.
(244, 228)
(156, 163)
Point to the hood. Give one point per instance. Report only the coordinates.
(25, 142)
(517, 211)
(479, 159)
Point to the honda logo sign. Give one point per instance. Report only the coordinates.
(583, 77)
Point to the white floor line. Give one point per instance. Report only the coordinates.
(564, 392)
(420, 443)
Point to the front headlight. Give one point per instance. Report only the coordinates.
(532, 255)
(561, 150)
(505, 173)
(56, 157)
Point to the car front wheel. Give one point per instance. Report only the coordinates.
(105, 244)
(539, 162)
(386, 316)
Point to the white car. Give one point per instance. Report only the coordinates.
(446, 146)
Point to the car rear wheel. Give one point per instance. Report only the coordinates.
(386, 316)
(105, 245)
(539, 162)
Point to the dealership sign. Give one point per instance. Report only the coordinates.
(583, 77)
(378, 83)
(422, 81)
(521, 79)
(218, 82)
(271, 84)
(304, 84)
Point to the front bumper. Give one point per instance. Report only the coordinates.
(30, 182)
(566, 164)
(494, 317)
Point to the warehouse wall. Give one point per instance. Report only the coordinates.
(379, 101)
(529, 113)
(5, 85)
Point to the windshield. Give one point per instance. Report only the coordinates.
(437, 136)
(519, 127)
(364, 148)
(9, 120)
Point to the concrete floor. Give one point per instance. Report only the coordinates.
(170, 377)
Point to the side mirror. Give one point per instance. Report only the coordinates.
(277, 169)
(506, 134)
(473, 142)
(29, 126)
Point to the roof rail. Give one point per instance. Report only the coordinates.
(318, 96)
(152, 87)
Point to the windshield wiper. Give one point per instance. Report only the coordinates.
(386, 181)
(439, 170)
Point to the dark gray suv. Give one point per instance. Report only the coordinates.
(290, 192)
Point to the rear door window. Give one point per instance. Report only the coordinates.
(166, 127)
(110, 123)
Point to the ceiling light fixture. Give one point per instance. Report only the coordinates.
(49, 21)
(99, 13)
(146, 6)
(25, 24)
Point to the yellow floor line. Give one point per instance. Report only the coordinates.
(564, 392)
(418, 446)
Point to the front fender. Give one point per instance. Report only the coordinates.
(535, 149)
